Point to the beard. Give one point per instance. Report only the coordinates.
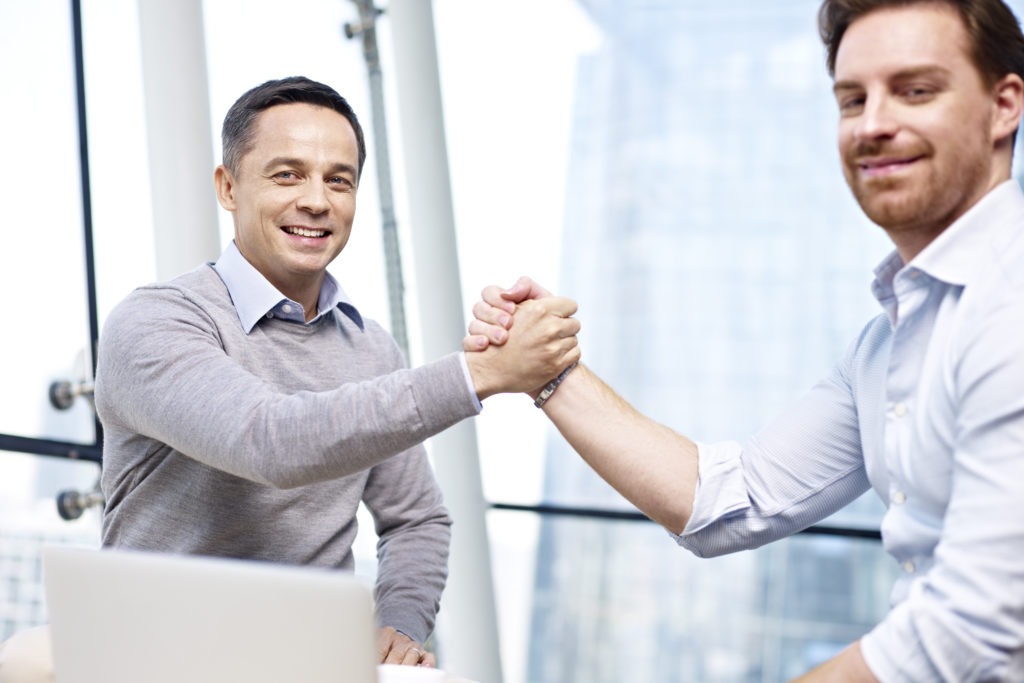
(924, 198)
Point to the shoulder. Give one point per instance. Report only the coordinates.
(200, 289)
(996, 296)
(197, 298)
(986, 335)
(873, 339)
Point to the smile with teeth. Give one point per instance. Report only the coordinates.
(304, 232)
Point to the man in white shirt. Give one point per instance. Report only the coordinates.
(927, 405)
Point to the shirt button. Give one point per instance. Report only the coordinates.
(900, 409)
(908, 567)
(286, 308)
(899, 498)
(270, 315)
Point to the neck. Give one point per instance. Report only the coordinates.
(912, 238)
(306, 293)
(309, 298)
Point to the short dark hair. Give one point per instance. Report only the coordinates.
(238, 129)
(996, 43)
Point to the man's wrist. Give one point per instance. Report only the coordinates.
(550, 387)
(479, 375)
(469, 382)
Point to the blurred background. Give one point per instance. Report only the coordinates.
(669, 164)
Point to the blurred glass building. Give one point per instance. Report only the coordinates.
(721, 267)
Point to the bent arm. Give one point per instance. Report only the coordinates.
(801, 468)
(165, 374)
(652, 466)
(413, 530)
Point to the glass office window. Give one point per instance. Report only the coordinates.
(42, 262)
(721, 266)
(46, 336)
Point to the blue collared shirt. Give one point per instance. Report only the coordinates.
(926, 408)
(255, 298)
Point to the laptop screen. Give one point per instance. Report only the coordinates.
(121, 616)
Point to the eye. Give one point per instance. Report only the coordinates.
(851, 105)
(339, 181)
(918, 93)
(286, 177)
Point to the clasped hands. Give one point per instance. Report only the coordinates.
(521, 338)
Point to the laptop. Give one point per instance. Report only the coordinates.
(120, 616)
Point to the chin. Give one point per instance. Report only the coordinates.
(890, 211)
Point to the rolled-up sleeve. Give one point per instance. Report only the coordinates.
(801, 468)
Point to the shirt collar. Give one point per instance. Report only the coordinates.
(255, 298)
(966, 249)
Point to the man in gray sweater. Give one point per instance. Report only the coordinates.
(248, 407)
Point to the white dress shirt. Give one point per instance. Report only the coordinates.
(926, 408)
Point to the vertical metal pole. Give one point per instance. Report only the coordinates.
(178, 130)
(468, 631)
(389, 231)
(83, 156)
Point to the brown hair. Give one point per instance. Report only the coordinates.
(237, 131)
(996, 43)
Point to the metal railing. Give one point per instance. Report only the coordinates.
(637, 516)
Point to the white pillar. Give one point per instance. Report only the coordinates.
(467, 624)
(178, 130)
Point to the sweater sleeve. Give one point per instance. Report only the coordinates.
(413, 529)
(413, 537)
(163, 373)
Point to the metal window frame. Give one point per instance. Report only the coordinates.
(636, 516)
(50, 447)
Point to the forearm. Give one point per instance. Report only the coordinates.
(411, 575)
(362, 424)
(651, 465)
(414, 535)
(204, 405)
(846, 667)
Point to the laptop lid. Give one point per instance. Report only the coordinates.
(121, 616)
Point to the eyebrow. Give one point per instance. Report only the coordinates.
(905, 74)
(292, 161)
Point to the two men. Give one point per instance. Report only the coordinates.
(248, 408)
(927, 406)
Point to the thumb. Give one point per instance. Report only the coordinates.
(524, 288)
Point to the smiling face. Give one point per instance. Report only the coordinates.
(918, 127)
(294, 196)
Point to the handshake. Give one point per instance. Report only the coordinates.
(521, 339)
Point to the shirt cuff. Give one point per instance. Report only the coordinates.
(721, 489)
(469, 382)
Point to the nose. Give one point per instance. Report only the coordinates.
(877, 120)
(313, 197)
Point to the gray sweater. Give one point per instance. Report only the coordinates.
(262, 445)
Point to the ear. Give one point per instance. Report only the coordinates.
(1008, 104)
(224, 182)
